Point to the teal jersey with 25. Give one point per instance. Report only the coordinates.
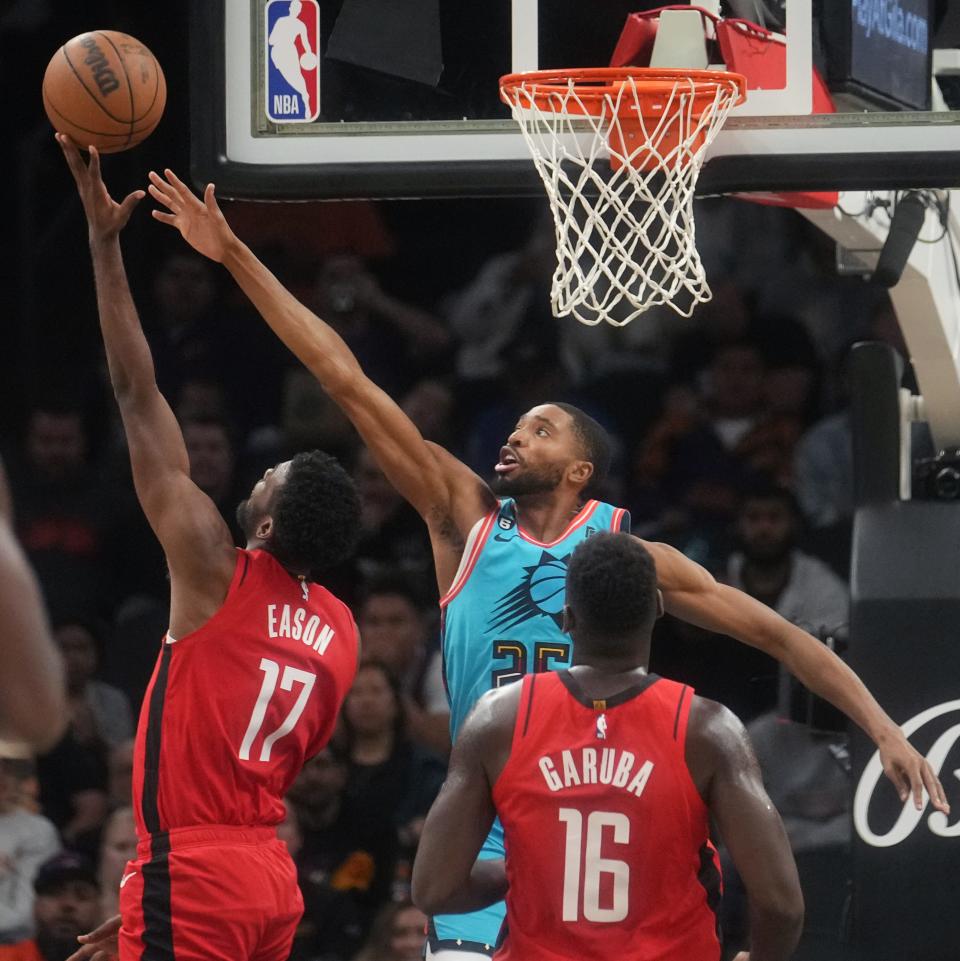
(502, 619)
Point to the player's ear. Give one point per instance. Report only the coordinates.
(568, 619)
(660, 610)
(580, 472)
(265, 528)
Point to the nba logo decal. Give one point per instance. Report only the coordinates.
(292, 59)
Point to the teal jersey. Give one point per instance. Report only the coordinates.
(502, 618)
(503, 615)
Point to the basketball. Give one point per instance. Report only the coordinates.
(105, 89)
(308, 61)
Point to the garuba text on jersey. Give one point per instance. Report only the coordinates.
(298, 626)
(612, 766)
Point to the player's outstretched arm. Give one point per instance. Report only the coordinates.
(692, 594)
(195, 538)
(33, 704)
(447, 878)
(726, 772)
(444, 491)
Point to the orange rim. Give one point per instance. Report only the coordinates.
(593, 85)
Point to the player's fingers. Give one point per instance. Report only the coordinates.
(131, 201)
(164, 217)
(161, 197)
(175, 181)
(210, 199)
(94, 162)
(71, 154)
(934, 788)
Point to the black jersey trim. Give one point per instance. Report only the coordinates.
(621, 697)
(157, 917)
(676, 720)
(526, 719)
(712, 883)
(155, 902)
(149, 802)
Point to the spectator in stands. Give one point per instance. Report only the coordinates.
(398, 934)
(27, 840)
(431, 404)
(118, 845)
(391, 339)
(67, 904)
(73, 776)
(62, 509)
(770, 567)
(510, 294)
(345, 864)
(100, 714)
(393, 536)
(211, 450)
(396, 632)
(390, 778)
(698, 457)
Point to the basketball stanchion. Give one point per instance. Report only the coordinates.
(619, 151)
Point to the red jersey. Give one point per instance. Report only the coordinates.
(606, 835)
(235, 708)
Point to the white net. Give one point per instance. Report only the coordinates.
(625, 231)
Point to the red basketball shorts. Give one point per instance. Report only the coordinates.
(196, 894)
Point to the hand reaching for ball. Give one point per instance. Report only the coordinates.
(105, 217)
(201, 222)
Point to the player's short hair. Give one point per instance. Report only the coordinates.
(612, 586)
(316, 515)
(593, 439)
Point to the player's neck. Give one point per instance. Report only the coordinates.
(546, 516)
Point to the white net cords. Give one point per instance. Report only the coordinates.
(625, 242)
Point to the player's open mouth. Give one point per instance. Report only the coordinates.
(508, 461)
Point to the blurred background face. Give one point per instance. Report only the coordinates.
(79, 651)
(56, 444)
(337, 291)
(737, 382)
(211, 457)
(117, 847)
(407, 934)
(767, 529)
(429, 404)
(392, 629)
(183, 288)
(321, 780)
(371, 706)
(71, 909)
(378, 499)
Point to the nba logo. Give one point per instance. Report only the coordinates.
(292, 59)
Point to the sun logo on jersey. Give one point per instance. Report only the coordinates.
(539, 594)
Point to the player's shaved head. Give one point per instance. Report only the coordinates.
(593, 440)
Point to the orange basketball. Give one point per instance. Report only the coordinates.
(106, 89)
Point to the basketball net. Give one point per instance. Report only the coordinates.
(625, 231)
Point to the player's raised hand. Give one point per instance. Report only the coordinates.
(911, 772)
(200, 221)
(105, 217)
(99, 944)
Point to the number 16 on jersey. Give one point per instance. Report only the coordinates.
(585, 867)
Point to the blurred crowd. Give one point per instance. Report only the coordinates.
(733, 444)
